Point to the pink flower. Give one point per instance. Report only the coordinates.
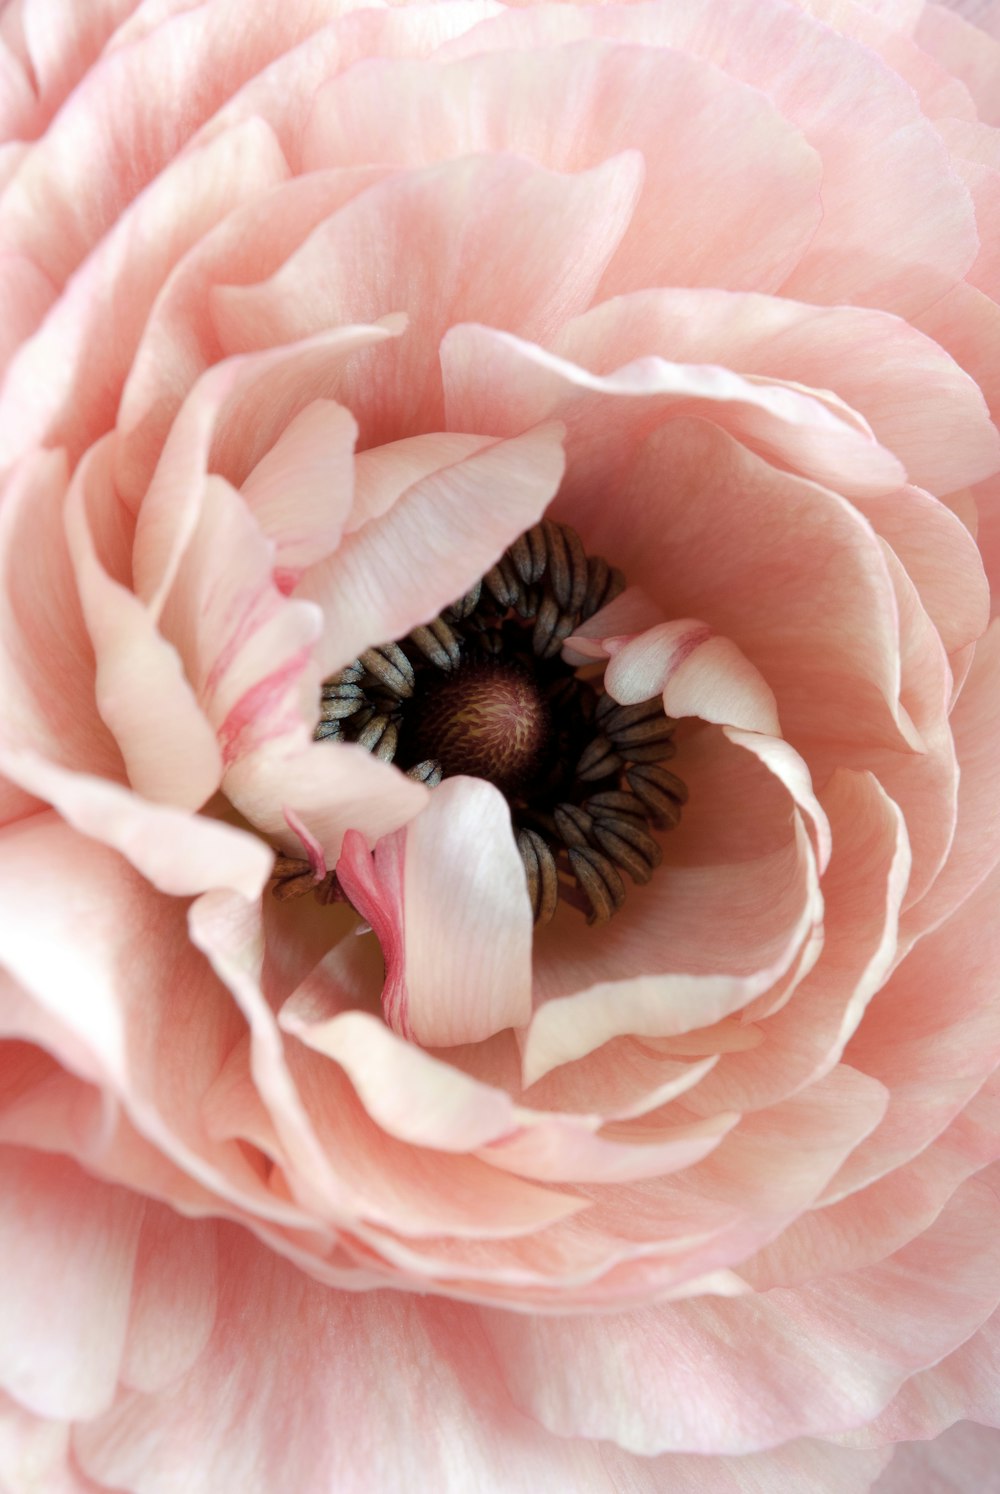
(500, 852)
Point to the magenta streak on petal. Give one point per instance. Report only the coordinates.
(681, 651)
(375, 887)
(239, 635)
(286, 578)
(260, 705)
(313, 849)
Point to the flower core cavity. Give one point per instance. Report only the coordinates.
(483, 690)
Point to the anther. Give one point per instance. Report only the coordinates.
(636, 852)
(379, 737)
(466, 606)
(616, 802)
(501, 581)
(661, 791)
(438, 643)
(599, 880)
(574, 824)
(598, 760)
(540, 873)
(390, 666)
(338, 708)
(428, 772)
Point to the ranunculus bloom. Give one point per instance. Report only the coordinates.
(310, 310)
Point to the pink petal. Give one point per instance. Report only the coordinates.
(247, 650)
(81, 953)
(426, 1358)
(232, 416)
(902, 390)
(46, 658)
(962, 1458)
(34, 1448)
(822, 1358)
(63, 386)
(409, 1093)
(864, 122)
(170, 750)
(729, 968)
(332, 788)
(528, 254)
(970, 53)
(975, 722)
(179, 853)
(69, 1247)
(573, 107)
(561, 1151)
(439, 536)
(806, 431)
(179, 342)
(698, 674)
(932, 1057)
(300, 491)
(451, 897)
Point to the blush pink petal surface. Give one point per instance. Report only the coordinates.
(325, 1168)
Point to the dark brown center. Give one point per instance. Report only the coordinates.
(483, 690)
(487, 719)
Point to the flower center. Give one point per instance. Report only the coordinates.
(483, 690)
(488, 718)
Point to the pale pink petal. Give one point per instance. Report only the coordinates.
(46, 658)
(179, 853)
(871, 1225)
(885, 27)
(899, 250)
(63, 386)
(501, 240)
(232, 416)
(568, 1026)
(801, 430)
(331, 787)
(26, 294)
(109, 961)
(903, 390)
(974, 851)
(800, 1467)
(34, 1448)
(698, 674)
(970, 53)
(130, 116)
(933, 1057)
(170, 750)
(452, 891)
(247, 650)
(822, 1358)
(805, 1039)
(807, 596)
(179, 342)
(443, 531)
(301, 491)
(393, 1195)
(357, 1417)
(409, 1093)
(559, 1151)
(964, 1458)
(941, 559)
(174, 1296)
(69, 1247)
(699, 222)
